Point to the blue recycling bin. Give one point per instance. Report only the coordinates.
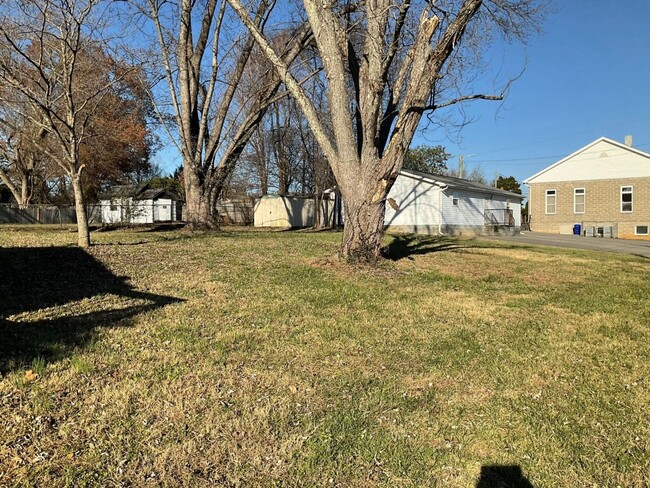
(577, 229)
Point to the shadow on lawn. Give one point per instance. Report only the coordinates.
(502, 477)
(406, 245)
(39, 278)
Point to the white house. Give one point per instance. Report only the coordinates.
(417, 203)
(139, 205)
(434, 204)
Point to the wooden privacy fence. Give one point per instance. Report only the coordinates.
(45, 214)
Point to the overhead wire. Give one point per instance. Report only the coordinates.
(513, 161)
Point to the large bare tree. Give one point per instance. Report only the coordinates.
(205, 56)
(387, 63)
(46, 59)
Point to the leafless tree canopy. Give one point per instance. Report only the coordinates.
(51, 85)
(211, 113)
(386, 64)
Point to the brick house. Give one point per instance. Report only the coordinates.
(604, 187)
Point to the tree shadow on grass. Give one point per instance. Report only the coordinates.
(502, 477)
(34, 281)
(406, 245)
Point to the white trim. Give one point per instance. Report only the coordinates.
(546, 195)
(636, 233)
(631, 192)
(584, 200)
(601, 139)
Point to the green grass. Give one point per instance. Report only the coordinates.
(253, 358)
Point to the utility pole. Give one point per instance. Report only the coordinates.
(460, 165)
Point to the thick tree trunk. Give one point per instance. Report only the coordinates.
(364, 228)
(83, 235)
(198, 210)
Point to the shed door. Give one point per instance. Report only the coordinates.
(164, 212)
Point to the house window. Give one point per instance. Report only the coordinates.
(551, 200)
(579, 200)
(113, 205)
(455, 200)
(641, 230)
(626, 199)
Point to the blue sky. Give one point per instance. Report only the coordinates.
(587, 76)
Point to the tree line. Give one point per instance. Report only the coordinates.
(248, 91)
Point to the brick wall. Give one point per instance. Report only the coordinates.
(602, 206)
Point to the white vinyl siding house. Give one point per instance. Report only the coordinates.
(413, 205)
(434, 204)
(417, 203)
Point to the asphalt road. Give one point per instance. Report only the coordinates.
(634, 247)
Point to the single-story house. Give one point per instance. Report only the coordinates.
(128, 204)
(602, 189)
(435, 204)
(418, 203)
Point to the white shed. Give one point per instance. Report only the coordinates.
(139, 205)
(435, 204)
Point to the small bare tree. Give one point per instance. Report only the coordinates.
(387, 63)
(20, 161)
(46, 59)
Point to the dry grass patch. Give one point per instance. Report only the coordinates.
(253, 358)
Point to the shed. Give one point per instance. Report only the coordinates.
(128, 204)
(295, 211)
(284, 211)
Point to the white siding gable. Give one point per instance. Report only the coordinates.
(603, 159)
(417, 201)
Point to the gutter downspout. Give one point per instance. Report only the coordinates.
(442, 189)
(530, 206)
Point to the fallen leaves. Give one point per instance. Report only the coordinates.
(30, 375)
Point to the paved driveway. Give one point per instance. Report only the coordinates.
(636, 248)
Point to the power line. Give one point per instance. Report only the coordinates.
(562, 156)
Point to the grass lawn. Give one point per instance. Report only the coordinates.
(248, 358)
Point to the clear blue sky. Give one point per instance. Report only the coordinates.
(588, 76)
